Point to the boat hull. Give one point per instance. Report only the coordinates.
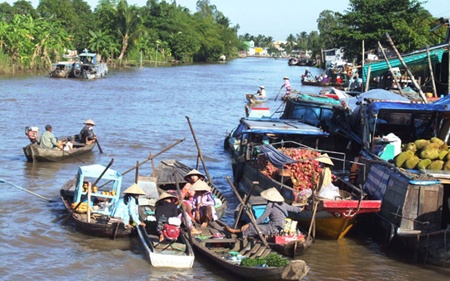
(35, 153)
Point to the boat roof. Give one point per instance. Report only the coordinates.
(279, 126)
(96, 170)
(441, 105)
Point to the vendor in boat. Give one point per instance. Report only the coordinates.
(203, 204)
(325, 187)
(286, 85)
(277, 212)
(127, 207)
(187, 193)
(87, 134)
(308, 75)
(261, 93)
(47, 139)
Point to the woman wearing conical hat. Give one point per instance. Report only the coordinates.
(203, 204)
(325, 187)
(277, 212)
(127, 207)
(187, 193)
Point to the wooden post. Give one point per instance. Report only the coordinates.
(362, 64)
(367, 78)
(390, 69)
(411, 76)
(431, 72)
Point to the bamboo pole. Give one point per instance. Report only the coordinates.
(390, 69)
(362, 64)
(411, 76)
(431, 72)
(368, 78)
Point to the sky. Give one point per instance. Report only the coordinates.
(275, 18)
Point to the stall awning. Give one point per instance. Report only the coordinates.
(415, 58)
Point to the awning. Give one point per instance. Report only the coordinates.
(276, 157)
(415, 58)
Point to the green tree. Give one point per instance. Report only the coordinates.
(129, 25)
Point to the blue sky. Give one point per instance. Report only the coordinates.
(277, 18)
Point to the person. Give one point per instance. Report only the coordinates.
(308, 73)
(127, 207)
(287, 85)
(187, 193)
(48, 139)
(69, 144)
(339, 79)
(277, 212)
(325, 186)
(203, 204)
(166, 207)
(87, 134)
(261, 93)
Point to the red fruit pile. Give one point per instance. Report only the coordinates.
(304, 174)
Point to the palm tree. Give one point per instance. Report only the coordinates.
(129, 27)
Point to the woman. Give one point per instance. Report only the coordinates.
(187, 193)
(286, 85)
(166, 207)
(127, 207)
(325, 187)
(277, 212)
(203, 204)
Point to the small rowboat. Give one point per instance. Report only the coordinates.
(251, 99)
(35, 153)
(229, 253)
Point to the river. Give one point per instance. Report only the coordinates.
(140, 111)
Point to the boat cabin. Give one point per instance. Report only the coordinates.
(106, 192)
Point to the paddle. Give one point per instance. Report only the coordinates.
(31, 192)
(200, 155)
(249, 214)
(99, 146)
(183, 208)
(278, 94)
(241, 208)
(64, 151)
(94, 184)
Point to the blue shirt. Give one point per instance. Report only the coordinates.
(126, 211)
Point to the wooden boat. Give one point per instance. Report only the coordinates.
(35, 153)
(251, 99)
(416, 202)
(170, 172)
(315, 83)
(95, 221)
(175, 254)
(230, 252)
(287, 245)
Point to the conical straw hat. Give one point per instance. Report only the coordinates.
(165, 195)
(90, 122)
(324, 158)
(201, 186)
(272, 194)
(193, 172)
(134, 189)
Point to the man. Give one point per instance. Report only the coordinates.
(87, 134)
(261, 94)
(48, 139)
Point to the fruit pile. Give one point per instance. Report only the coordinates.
(432, 154)
(304, 173)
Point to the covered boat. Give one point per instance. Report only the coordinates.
(94, 218)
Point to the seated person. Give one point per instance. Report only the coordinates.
(87, 134)
(69, 144)
(203, 204)
(187, 193)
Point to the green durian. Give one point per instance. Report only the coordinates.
(420, 143)
(436, 165)
(429, 153)
(437, 141)
(423, 164)
(402, 157)
(410, 146)
(411, 163)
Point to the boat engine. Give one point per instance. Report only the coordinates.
(32, 133)
(171, 229)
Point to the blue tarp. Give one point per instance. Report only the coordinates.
(276, 157)
(440, 105)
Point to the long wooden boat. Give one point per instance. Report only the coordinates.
(315, 83)
(174, 254)
(95, 221)
(35, 153)
(230, 252)
(287, 245)
(416, 201)
(170, 172)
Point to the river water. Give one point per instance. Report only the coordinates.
(138, 112)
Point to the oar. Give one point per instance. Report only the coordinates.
(200, 154)
(31, 192)
(183, 208)
(94, 184)
(99, 146)
(246, 199)
(249, 214)
(278, 94)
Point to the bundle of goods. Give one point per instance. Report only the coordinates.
(432, 154)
